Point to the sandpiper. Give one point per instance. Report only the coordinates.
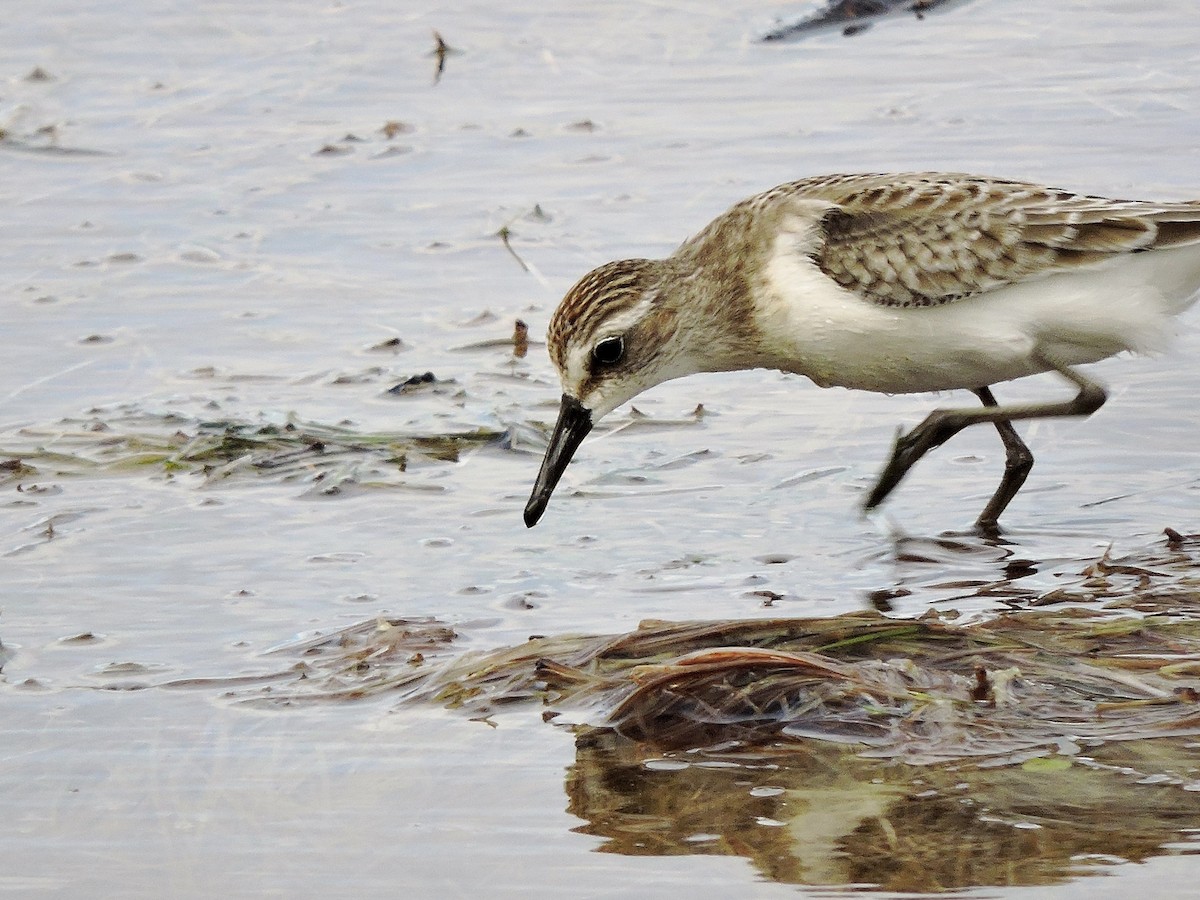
(889, 283)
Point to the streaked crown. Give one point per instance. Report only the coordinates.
(596, 298)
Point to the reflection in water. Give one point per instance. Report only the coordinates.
(823, 816)
(981, 571)
(952, 566)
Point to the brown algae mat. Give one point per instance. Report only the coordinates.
(911, 755)
(332, 458)
(929, 690)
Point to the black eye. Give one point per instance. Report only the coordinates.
(609, 351)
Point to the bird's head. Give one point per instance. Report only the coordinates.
(612, 337)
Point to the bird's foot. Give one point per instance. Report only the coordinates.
(989, 529)
(935, 430)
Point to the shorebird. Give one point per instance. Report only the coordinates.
(889, 283)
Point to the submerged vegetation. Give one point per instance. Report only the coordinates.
(334, 456)
(928, 691)
(915, 755)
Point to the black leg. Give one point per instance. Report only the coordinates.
(1018, 460)
(942, 424)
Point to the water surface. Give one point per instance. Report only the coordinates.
(215, 215)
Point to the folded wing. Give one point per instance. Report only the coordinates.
(929, 239)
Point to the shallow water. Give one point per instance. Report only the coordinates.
(215, 228)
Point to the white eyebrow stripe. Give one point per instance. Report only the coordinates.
(626, 319)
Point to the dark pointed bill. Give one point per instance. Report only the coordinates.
(574, 423)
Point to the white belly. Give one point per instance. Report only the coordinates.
(814, 327)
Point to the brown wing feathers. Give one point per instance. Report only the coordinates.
(927, 240)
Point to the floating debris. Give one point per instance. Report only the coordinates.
(415, 381)
(426, 382)
(43, 140)
(367, 376)
(14, 470)
(484, 318)
(345, 145)
(441, 51)
(517, 343)
(392, 128)
(504, 233)
(301, 451)
(520, 339)
(391, 345)
(855, 16)
(84, 637)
